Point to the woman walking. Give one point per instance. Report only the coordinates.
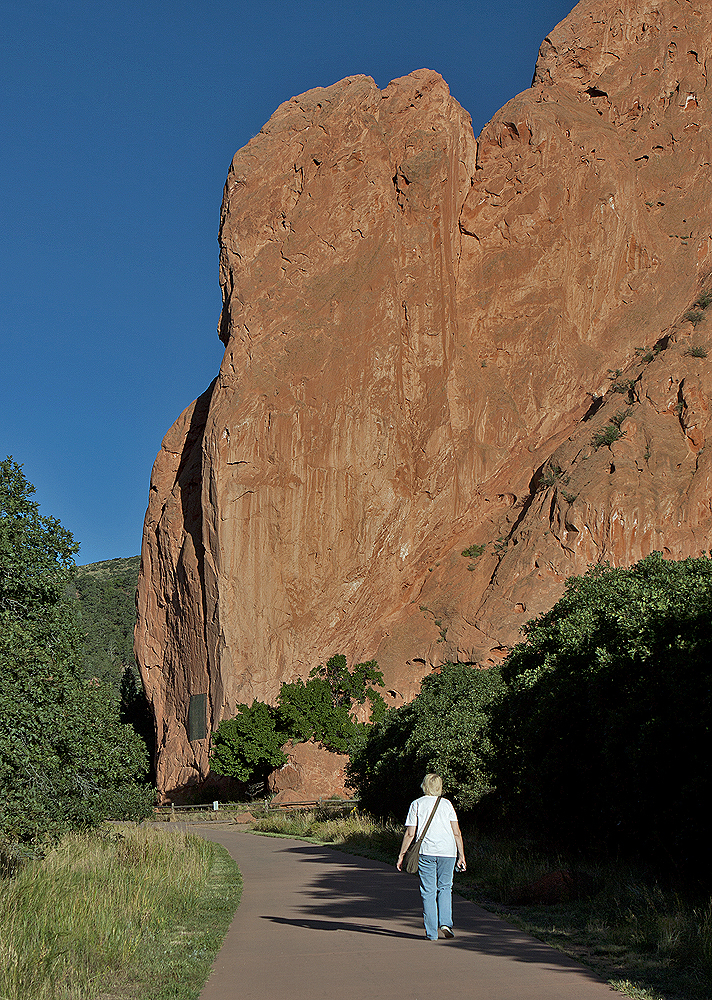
(441, 848)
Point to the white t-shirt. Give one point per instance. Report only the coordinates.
(439, 840)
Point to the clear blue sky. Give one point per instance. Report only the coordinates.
(118, 122)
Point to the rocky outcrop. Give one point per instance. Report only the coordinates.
(436, 344)
(311, 773)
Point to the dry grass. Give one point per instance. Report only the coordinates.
(350, 831)
(648, 942)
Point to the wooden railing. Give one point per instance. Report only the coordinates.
(312, 804)
(171, 811)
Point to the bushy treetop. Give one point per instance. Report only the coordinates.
(443, 730)
(602, 736)
(249, 746)
(36, 564)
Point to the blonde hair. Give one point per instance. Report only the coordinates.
(432, 784)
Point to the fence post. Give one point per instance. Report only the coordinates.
(216, 806)
(173, 812)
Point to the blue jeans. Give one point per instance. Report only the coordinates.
(436, 889)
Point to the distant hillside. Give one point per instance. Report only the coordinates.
(111, 567)
(106, 594)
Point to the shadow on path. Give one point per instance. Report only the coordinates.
(346, 888)
(335, 925)
(314, 923)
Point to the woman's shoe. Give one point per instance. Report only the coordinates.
(448, 932)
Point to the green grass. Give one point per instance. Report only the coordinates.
(649, 944)
(135, 912)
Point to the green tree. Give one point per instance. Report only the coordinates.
(443, 730)
(353, 686)
(249, 746)
(601, 738)
(65, 760)
(135, 711)
(36, 564)
(320, 709)
(106, 608)
(106, 595)
(307, 712)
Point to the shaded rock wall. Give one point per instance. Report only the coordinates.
(423, 333)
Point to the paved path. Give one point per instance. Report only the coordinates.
(317, 924)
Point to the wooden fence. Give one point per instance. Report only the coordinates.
(172, 811)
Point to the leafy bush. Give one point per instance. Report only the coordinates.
(618, 418)
(249, 746)
(320, 709)
(627, 386)
(601, 736)
(611, 432)
(550, 476)
(353, 686)
(694, 316)
(307, 711)
(444, 730)
(696, 352)
(473, 551)
(606, 436)
(697, 313)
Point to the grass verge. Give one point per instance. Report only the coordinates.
(135, 912)
(357, 833)
(647, 943)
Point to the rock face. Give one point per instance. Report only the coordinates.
(310, 773)
(424, 334)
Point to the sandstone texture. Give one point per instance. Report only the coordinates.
(311, 773)
(424, 333)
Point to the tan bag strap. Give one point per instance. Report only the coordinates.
(420, 839)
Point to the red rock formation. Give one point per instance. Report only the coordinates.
(311, 773)
(423, 333)
(245, 817)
